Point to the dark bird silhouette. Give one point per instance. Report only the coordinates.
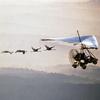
(7, 52)
(21, 51)
(36, 50)
(49, 48)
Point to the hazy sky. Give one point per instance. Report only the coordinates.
(41, 19)
(38, 21)
(24, 1)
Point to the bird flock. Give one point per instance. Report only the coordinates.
(48, 48)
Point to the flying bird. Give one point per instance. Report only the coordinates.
(36, 49)
(7, 52)
(21, 51)
(49, 48)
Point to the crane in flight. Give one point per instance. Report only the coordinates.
(36, 49)
(21, 51)
(7, 52)
(49, 48)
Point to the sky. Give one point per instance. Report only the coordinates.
(23, 26)
(31, 1)
(43, 19)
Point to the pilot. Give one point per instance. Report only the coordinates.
(81, 57)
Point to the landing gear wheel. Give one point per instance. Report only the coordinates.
(95, 61)
(74, 66)
(72, 55)
(83, 66)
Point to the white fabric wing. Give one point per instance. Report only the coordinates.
(88, 40)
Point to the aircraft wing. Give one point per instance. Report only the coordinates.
(88, 40)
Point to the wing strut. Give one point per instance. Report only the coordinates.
(79, 37)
